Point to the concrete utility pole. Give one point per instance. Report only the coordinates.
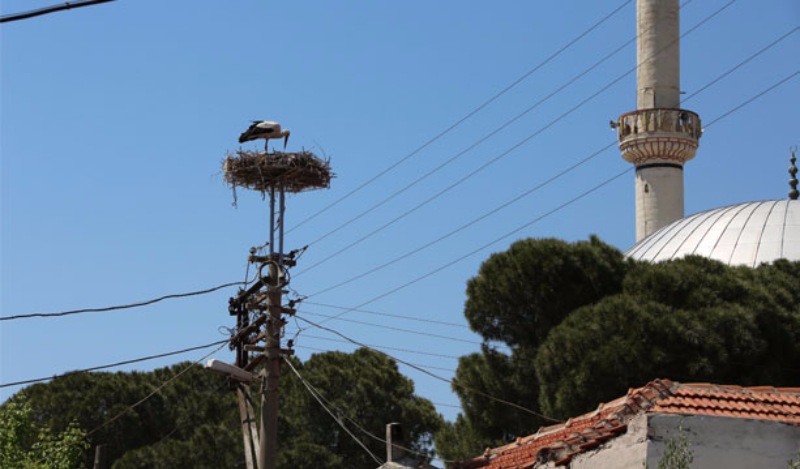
(100, 457)
(268, 449)
(659, 137)
(259, 309)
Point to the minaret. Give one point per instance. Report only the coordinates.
(658, 137)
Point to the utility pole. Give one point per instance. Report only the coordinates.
(259, 308)
(268, 449)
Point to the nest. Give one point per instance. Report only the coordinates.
(293, 172)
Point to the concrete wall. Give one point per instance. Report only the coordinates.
(731, 443)
(715, 442)
(627, 451)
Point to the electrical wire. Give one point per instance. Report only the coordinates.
(399, 316)
(320, 398)
(463, 227)
(423, 365)
(481, 248)
(114, 365)
(521, 142)
(502, 206)
(740, 64)
(753, 98)
(144, 303)
(118, 307)
(392, 328)
(433, 375)
(560, 207)
(465, 118)
(382, 347)
(156, 390)
(51, 9)
(335, 418)
(477, 143)
(506, 204)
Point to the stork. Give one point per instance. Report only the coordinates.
(265, 130)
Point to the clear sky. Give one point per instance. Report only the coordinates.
(116, 118)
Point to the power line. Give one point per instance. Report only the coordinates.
(430, 367)
(477, 143)
(487, 214)
(399, 316)
(433, 375)
(753, 98)
(127, 306)
(506, 204)
(148, 302)
(156, 390)
(560, 207)
(383, 347)
(520, 143)
(466, 225)
(465, 118)
(481, 248)
(114, 365)
(541, 185)
(740, 64)
(50, 9)
(318, 398)
(392, 328)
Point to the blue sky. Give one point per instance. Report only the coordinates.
(116, 117)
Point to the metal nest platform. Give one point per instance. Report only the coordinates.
(292, 172)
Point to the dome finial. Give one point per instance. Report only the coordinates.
(793, 171)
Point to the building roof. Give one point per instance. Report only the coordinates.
(745, 234)
(561, 442)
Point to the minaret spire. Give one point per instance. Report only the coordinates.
(658, 137)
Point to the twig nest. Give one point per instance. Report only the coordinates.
(294, 172)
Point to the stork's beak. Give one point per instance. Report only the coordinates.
(285, 140)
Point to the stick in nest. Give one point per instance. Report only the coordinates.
(294, 172)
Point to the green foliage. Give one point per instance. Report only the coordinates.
(174, 414)
(568, 326)
(794, 463)
(678, 452)
(520, 294)
(194, 421)
(364, 386)
(517, 297)
(690, 320)
(26, 445)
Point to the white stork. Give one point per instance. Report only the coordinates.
(265, 130)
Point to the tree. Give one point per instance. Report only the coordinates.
(174, 414)
(194, 421)
(515, 300)
(520, 294)
(364, 387)
(692, 319)
(569, 325)
(26, 445)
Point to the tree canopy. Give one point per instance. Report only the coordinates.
(194, 421)
(24, 444)
(569, 325)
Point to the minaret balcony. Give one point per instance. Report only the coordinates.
(658, 135)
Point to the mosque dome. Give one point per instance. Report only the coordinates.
(744, 234)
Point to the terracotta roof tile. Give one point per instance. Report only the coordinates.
(562, 442)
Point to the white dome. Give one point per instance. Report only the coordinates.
(745, 234)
